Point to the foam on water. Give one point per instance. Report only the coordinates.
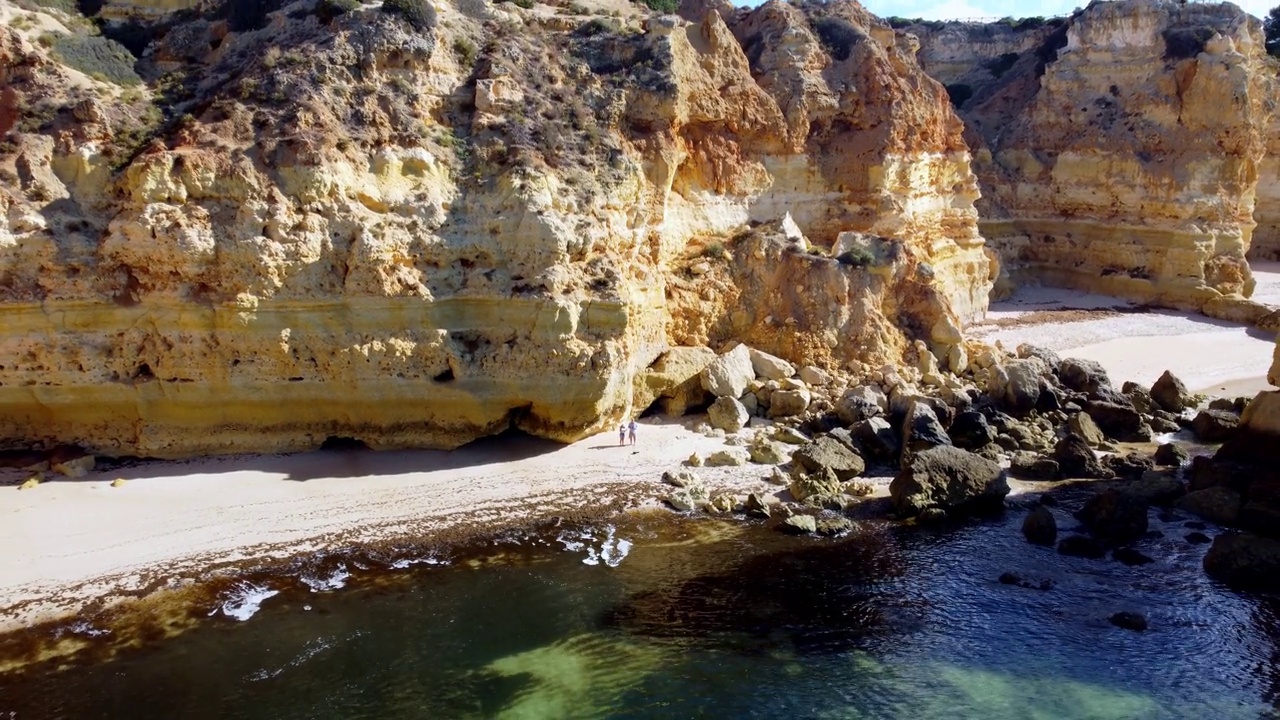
(335, 581)
(611, 549)
(431, 559)
(245, 600)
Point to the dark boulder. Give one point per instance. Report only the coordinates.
(1120, 421)
(1216, 504)
(1082, 546)
(1114, 517)
(921, 430)
(1215, 425)
(1170, 454)
(1029, 466)
(877, 438)
(1156, 487)
(1131, 557)
(970, 430)
(1171, 394)
(1076, 459)
(1130, 466)
(1086, 376)
(1245, 561)
(1129, 621)
(949, 478)
(1040, 527)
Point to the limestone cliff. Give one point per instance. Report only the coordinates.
(418, 228)
(1122, 154)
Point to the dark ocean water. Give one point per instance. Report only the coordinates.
(715, 620)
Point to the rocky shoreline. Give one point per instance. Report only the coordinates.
(951, 443)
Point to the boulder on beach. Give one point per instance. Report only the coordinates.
(770, 367)
(949, 478)
(1030, 466)
(814, 483)
(799, 525)
(729, 374)
(1082, 424)
(727, 414)
(764, 451)
(1016, 384)
(1156, 487)
(786, 403)
(877, 438)
(827, 453)
(861, 402)
(1086, 376)
(1052, 361)
(1119, 421)
(1171, 394)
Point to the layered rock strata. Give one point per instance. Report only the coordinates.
(1122, 153)
(418, 231)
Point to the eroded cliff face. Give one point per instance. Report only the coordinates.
(343, 224)
(1122, 154)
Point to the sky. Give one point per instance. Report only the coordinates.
(959, 9)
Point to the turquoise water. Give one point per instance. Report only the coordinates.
(704, 620)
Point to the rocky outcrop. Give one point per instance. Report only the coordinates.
(418, 233)
(1122, 153)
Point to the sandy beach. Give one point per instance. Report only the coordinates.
(1210, 356)
(77, 543)
(74, 541)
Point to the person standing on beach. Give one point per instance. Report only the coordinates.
(632, 428)
(622, 435)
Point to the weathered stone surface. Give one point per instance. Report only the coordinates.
(1172, 394)
(1040, 527)
(729, 374)
(727, 414)
(1214, 425)
(1016, 383)
(1086, 376)
(1050, 358)
(770, 367)
(949, 478)
(1156, 487)
(828, 453)
(821, 482)
(860, 403)
(1245, 560)
(800, 525)
(681, 478)
(1129, 465)
(674, 380)
(1216, 504)
(787, 403)
(767, 452)
(1082, 424)
(729, 457)
(814, 376)
(1030, 466)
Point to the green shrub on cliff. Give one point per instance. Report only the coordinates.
(1271, 26)
(838, 36)
(98, 57)
(420, 13)
(1182, 43)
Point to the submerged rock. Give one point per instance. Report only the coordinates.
(1170, 454)
(1245, 561)
(1082, 546)
(1114, 517)
(1040, 527)
(1216, 504)
(1130, 621)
